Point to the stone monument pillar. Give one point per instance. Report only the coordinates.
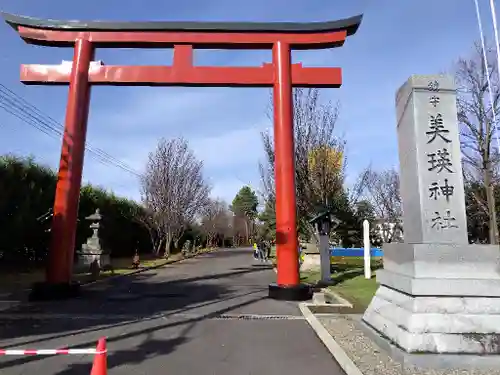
(437, 293)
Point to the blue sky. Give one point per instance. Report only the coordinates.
(397, 38)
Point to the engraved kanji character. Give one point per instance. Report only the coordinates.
(443, 222)
(445, 190)
(434, 100)
(440, 160)
(433, 85)
(437, 129)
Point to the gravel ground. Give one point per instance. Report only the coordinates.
(369, 357)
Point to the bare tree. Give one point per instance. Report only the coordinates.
(356, 191)
(477, 127)
(173, 188)
(238, 229)
(147, 218)
(314, 127)
(215, 220)
(382, 190)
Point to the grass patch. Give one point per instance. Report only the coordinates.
(310, 277)
(358, 291)
(353, 262)
(348, 280)
(16, 281)
(342, 268)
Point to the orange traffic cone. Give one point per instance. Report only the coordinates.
(100, 367)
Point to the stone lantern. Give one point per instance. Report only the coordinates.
(92, 250)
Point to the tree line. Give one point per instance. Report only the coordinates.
(175, 213)
(27, 192)
(478, 123)
(176, 199)
(320, 168)
(320, 163)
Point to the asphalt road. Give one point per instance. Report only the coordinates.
(206, 315)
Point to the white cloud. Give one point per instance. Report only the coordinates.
(227, 188)
(147, 109)
(230, 160)
(222, 127)
(234, 149)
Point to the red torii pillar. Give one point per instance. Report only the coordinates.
(281, 74)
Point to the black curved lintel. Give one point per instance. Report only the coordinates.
(351, 25)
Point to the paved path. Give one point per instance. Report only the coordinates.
(203, 316)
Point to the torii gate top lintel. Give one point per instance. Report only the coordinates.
(224, 35)
(183, 37)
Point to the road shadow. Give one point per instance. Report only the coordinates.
(117, 301)
(139, 304)
(143, 351)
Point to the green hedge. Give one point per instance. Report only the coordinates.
(27, 192)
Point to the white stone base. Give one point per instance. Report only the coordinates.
(439, 298)
(440, 325)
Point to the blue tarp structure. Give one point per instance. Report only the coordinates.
(355, 252)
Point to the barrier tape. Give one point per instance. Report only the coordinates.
(50, 351)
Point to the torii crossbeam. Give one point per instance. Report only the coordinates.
(183, 37)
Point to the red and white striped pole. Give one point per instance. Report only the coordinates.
(34, 352)
(99, 366)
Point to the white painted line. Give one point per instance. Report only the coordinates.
(333, 347)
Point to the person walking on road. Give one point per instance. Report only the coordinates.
(262, 250)
(258, 252)
(255, 251)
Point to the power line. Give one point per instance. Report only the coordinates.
(28, 110)
(26, 104)
(486, 67)
(19, 107)
(495, 28)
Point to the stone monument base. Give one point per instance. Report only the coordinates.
(46, 292)
(430, 360)
(440, 325)
(439, 298)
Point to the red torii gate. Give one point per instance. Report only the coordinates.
(281, 74)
